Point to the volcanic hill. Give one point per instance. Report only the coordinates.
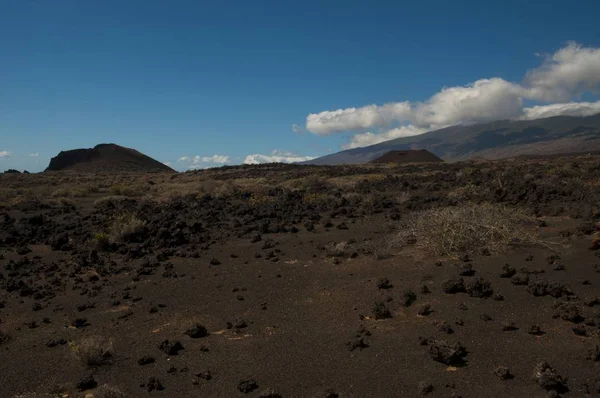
(106, 158)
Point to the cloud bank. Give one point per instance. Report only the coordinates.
(199, 162)
(276, 157)
(5, 154)
(563, 76)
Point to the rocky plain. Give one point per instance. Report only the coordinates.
(469, 279)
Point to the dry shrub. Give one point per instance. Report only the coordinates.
(337, 249)
(380, 250)
(113, 200)
(316, 198)
(128, 190)
(311, 183)
(466, 228)
(126, 226)
(349, 182)
(469, 192)
(93, 350)
(262, 200)
(75, 191)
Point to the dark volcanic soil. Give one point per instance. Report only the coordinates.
(289, 281)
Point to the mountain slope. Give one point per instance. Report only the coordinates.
(494, 140)
(411, 156)
(106, 158)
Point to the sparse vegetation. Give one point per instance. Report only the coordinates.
(259, 240)
(93, 350)
(465, 228)
(101, 241)
(126, 228)
(128, 190)
(337, 249)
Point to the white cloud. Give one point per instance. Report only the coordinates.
(276, 157)
(220, 159)
(167, 163)
(35, 154)
(366, 139)
(567, 109)
(330, 122)
(484, 100)
(198, 160)
(5, 154)
(571, 71)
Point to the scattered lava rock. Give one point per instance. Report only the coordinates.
(454, 285)
(425, 310)
(466, 270)
(4, 337)
(479, 288)
(80, 323)
(380, 310)
(153, 384)
(384, 283)
(240, 323)
(170, 348)
(594, 354)
(269, 393)
(503, 373)
(425, 388)
(553, 259)
(508, 271)
(247, 386)
(535, 330)
(449, 354)
(197, 331)
(519, 279)
(509, 326)
(444, 327)
(408, 297)
(87, 383)
(55, 342)
(548, 378)
(358, 343)
(579, 330)
(541, 287)
(145, 360)
(568, 312)
(206, 375)
(485, 317)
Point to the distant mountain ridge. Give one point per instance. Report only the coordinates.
(106, 158)
(493, 140)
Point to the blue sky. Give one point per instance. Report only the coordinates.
(197, 79)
